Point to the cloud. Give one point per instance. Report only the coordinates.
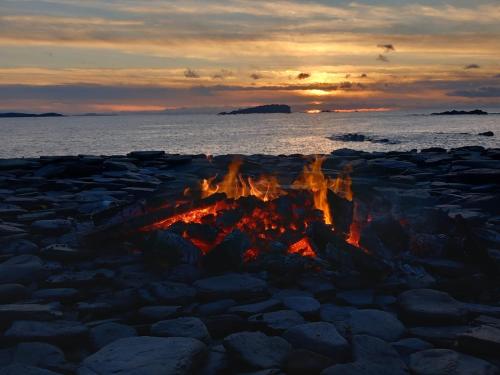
(382, 58)
(387, 47)
(303, 75)
(223, 74)
(472, 66)
(480, 92)
(256, 76)
(496, 76)
(189, 73)
(364, 75)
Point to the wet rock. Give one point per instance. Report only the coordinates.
(111, 165)
(63, 332)
(28, 311)
(6, 164)
(277, 321)
(483, 340)
(376, 323)
(256, 308)
(320, 337)
(107, 333)
(157, 313)
(410, 345)
(13, 292)
(255, 350)
(302, 361)
(390, 165)
(52, 227)
(21, 269)
(181, 327)
(428, 306)
(168, 293)
(306, 306)
(19, 368)
(41, 355)
(232, 285)
(442, 361)
(146, 355)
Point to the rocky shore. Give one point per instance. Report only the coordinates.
(421, 295)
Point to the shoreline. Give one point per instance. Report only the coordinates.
(80, 273)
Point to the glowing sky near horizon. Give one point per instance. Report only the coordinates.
(78, 56)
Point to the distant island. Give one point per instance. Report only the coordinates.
(17, 114)
(269, 108)
(455, 112)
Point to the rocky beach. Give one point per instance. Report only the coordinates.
(149, 263)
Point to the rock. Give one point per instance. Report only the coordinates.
(52, 227)
(358, 298)
(19, 247)
(107, 333)
(13, 292)
(477, 309)
(302, 361)
(56, 294)
(483, 340)
(391, 165)
(181, 327)
(410, 345)
(146, 155)
(29, 311)
(6, 164)
(61, 252)
(167, 246)
(22, 269)
(156, 313)
(63, 332)
(333, 313)
(110, 165)
(362, 368)
(216, 363)
(428, 306)
(78, 279)
(231, 285)
(256, 308)
(487, 134)
(277, 321)
(40, 354)
(255, 350)
(320, 337)
(146, 355)
(216, 307)
(167, 292)
(487, 320)
(376, 323)
(306, 306)
(444, 361)
(10, 230)
(222, 325)
(440, 336)
(19, 368)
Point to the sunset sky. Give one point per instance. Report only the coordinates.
(76, 56)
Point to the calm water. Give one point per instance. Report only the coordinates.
(245, 134)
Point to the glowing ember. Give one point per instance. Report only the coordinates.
(302, 247)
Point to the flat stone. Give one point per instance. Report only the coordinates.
(51, 227)
(231, 285)
(306, 306)
(320, 337)
(29, 311)
(428, 306)
(63, 332)
(483, 340)
(357, 298)
(40, 354)
(146, 355)
(443, 336)
(255, 350)
(22, 269)
(156, 313)
(107, 333)
(334, 313)
(410, 345)
(81, 278)
(444, 361)
(13, 292)
(277, 321)
(56, 294)
(256, 308)
(166, 292)
(19, 368)
(376, 323)
(181, 327)
(10, 230)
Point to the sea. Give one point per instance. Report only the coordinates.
(296, 133)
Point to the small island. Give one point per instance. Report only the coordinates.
(17, 114)
(269, 108)
(455, 112)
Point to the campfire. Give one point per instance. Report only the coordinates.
(258, 215)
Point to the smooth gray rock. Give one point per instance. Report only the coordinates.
(357, 298)
(444, 361)
(146, 355)
(410, 345)
(376, 323)
(181, 327)
(40, 354)
(56, 294)
(483, 340)
(256, 350)
(28, 311)
(428, 306)
(277, 321)
(231, 285)
(306, 306)
(319, 337)
(22, 269)
(216, 307)
(256, 308)
(22, 369)
(166, 292)
(334, 313)
(442, 336)
(157, 313)
(19, 247)
(60, 331)
(106, 333)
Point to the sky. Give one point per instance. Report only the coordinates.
(79, 56)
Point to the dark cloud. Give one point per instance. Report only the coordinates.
(481, 92)
(387, 47)
(345, 85)
(190, 73)
(348, 75)
(382, 58)
(303, 75)
(472, 66)
(223, 74)
(256, 76)
(496, 76)
(364, 75)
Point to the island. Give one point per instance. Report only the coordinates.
(17, 114)
(269, 108)
(455, 112)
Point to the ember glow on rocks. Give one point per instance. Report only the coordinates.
(264, 210)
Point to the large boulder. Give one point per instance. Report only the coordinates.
(146, 355)
(255, 350)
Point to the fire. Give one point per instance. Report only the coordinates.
(342, 185)
(302, 247)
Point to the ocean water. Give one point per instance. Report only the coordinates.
(244, 134)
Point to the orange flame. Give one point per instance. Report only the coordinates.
(342, 185)
(302, 247)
